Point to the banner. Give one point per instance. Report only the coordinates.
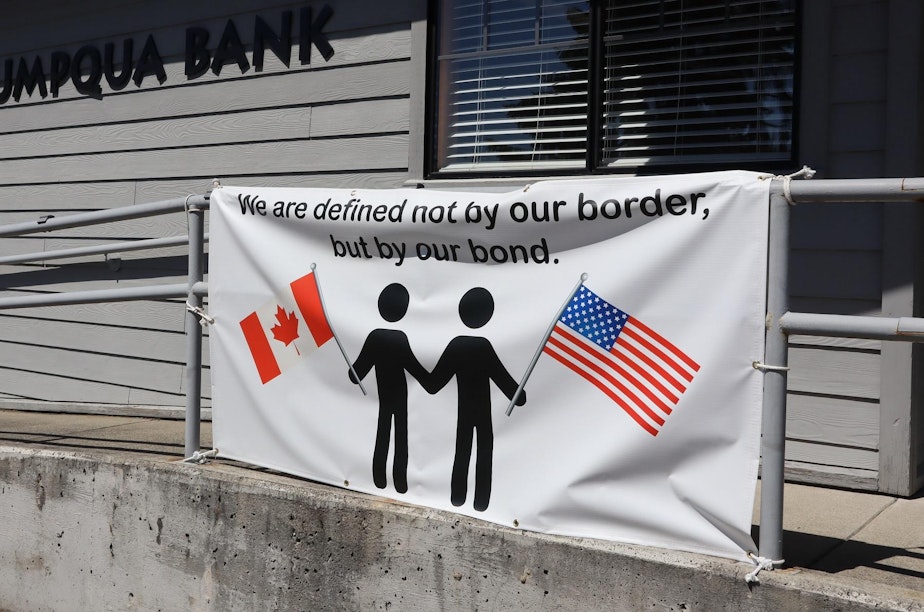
(574, 357)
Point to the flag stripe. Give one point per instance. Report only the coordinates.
(648, 376)
(650, 363)
(607, 377)
(260, 348)
(664, 357)
(638, 385)
(305, 290)
(609, 392)
(663, 342)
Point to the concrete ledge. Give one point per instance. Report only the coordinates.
(145, 411)
(93, 531)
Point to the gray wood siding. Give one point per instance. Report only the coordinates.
(849, 399)
(343, 122)
(837, 249)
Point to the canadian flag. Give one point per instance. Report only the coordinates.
(283, 331)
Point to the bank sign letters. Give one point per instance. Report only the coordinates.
(118, 64)
(573, 357)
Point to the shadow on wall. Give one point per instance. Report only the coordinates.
(835, 264)
(150, 268)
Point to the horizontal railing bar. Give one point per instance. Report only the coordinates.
(201, 289)
(124, 213)
(908, 329)
(98, 296)
(858, 190)
(115, 247)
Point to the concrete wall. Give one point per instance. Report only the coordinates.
(97, 532)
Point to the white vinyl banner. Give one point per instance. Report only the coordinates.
(574, 357)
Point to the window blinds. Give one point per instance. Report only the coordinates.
(517, 77)
(677, 81)
(697, 81)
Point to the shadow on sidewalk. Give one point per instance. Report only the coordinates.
(836, 556)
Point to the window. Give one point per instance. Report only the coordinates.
(609, 85)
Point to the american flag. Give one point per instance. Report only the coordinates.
(632, 364)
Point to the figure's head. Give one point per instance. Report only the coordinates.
(393, 302)
(476, 307)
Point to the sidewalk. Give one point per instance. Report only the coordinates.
(849, 536)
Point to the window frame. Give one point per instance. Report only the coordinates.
(595, 125)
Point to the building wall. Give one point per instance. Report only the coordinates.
(341, 122)
(852, 402)
(357, 119)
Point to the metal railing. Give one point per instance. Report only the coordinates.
(193, 290)
(780, 321)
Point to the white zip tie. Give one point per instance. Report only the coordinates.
(200, 457)
(768, 368)
(762, 563)
(204, 317)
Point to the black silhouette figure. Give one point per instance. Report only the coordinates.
(472, 360)
(388, 351)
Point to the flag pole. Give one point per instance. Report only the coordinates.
(317, 283)
(545, 338)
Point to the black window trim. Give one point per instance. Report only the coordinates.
(592, 165)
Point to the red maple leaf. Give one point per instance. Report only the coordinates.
(286, 330)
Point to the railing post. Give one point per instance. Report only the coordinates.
(773, 440)
(196, 226)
